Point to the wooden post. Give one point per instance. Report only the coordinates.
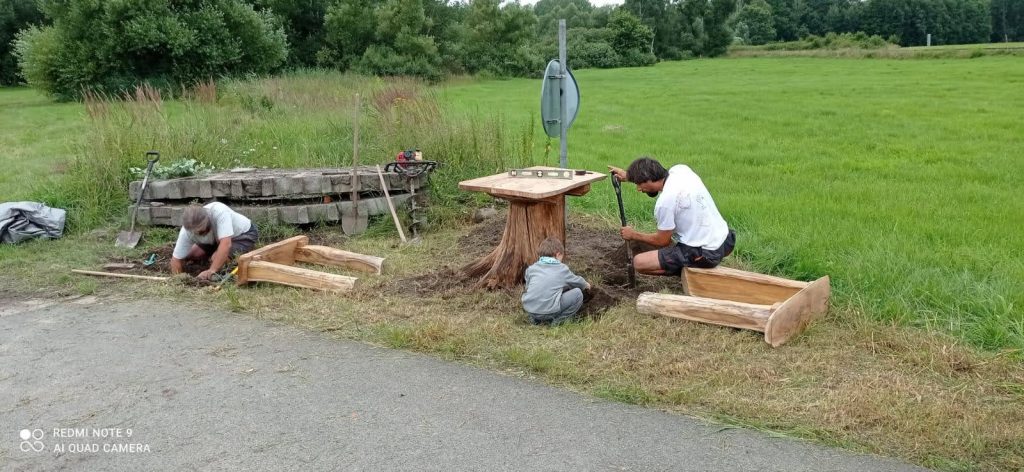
(529, 222)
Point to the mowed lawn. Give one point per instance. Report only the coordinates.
(36, 137)
(899, 178)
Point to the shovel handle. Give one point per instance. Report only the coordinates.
(631, 274)
(145, 180)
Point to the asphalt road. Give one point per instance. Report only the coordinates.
(98, 385)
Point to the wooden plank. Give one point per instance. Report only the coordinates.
(723, 283)
(504, 186)
(705, 310)
(261, 271)
(793, 315)
(112, 274)
(336, 257)
(282, 252)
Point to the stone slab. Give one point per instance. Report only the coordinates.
(170, 215)
(263, 184)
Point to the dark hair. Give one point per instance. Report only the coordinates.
(645, 169)
(550, 247)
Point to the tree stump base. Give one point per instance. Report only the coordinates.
(536, 211)
(529, 222)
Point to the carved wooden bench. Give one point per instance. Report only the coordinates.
(275, 263)
(778, 307)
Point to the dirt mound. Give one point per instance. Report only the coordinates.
(598, 254)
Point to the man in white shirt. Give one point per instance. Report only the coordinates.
(212, 231)
(691, 231)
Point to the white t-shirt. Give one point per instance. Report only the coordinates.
(686, 207)
(226, 224)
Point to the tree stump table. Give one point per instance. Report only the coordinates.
(536, 211)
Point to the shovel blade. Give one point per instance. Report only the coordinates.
(128, 239)
(353, 223)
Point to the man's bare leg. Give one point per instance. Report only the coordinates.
(647, 263)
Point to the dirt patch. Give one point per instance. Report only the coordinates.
(598, 254)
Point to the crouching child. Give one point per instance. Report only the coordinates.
(553, 293)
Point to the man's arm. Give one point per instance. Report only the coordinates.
(176, 266)
(621, 174)
(660, 239)
(219, 258)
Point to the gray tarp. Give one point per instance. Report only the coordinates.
(28, 220)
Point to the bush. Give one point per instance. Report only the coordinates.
(111, 47)
(858, 40)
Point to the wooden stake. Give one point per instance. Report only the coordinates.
(124, 276)
(391, 206)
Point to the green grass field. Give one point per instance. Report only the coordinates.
(897, 178)
(36, 136)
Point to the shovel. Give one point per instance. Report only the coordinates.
(352, 222)
(130, 238)
(622, 217)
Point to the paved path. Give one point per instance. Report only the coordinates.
(203, 390)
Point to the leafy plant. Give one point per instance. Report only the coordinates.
(181, 168)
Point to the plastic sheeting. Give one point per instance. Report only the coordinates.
(20, 221)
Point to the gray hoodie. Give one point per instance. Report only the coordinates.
(545, 282)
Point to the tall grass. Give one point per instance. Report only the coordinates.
(301, 120)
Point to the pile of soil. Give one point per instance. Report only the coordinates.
(598, 254)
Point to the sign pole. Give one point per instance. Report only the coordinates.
(563, 118)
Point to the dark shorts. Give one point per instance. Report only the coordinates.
(674, 258)
(240, 244)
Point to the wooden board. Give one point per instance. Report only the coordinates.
(281, 252)
(723, 283)
(329, 256)
(793, 315)
(705, 310)
(261, 271)
(504, 186)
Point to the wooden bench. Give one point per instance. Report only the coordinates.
(275, 263)
(778, 307)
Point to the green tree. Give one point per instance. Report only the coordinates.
(15, 15)
(402, 43)
(303, 22)
(350, 27)
(576, 13)
(631, 39)
(114, 46)
(1007, 20)
(498, 38)
(757, 24)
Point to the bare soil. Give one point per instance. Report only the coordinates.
(598, 254)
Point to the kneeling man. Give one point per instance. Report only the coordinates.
(213, 232)
(691, 231)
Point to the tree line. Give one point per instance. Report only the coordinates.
(67, 46)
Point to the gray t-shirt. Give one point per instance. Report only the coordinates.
(545, 281)
(226, 224)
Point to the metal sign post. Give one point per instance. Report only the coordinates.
(563, 158)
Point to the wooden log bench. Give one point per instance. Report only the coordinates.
(275, 263)
(778, 307)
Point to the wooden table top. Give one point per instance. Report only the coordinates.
(503, 185)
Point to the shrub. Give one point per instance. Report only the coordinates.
(111, 47)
